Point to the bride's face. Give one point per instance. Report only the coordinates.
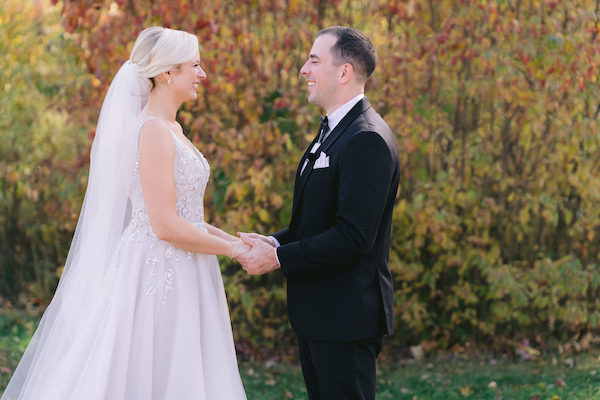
(188, 77)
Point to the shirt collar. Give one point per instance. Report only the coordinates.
(334, 119)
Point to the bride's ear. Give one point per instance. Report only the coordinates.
(167, 77)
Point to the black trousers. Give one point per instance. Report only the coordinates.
(339, 370)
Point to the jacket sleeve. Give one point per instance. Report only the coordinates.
(365, 174)
(282, 236)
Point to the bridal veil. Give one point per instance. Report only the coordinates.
(104, 215)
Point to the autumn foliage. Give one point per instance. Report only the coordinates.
(43, 160)
(494, 104)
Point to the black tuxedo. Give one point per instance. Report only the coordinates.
(335, 251)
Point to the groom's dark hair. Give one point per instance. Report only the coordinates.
(352, 47)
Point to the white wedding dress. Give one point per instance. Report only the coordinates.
(160, 330)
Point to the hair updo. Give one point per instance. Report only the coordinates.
(159, 50)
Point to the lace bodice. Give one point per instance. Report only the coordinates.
(191, 173)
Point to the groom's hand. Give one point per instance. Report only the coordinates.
(261, 259)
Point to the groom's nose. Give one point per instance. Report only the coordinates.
(305, 70)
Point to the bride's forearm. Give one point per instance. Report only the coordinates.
(186, 236)
(213, 230)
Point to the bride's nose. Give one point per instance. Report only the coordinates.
(201, 73)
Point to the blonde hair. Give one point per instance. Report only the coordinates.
(159, 50)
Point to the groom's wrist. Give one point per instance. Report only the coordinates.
(275, 242)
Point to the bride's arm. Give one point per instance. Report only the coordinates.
(157, 155)
(213, 230)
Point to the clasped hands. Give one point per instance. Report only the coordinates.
(261, 257)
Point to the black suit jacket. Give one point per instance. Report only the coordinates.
(335, 251)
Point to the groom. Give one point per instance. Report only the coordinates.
(334, 254)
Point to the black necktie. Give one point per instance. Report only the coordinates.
(323, 128)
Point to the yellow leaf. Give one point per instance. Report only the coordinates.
(466, 391)
(263, 215)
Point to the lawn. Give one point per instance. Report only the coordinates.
(451, 378)
(439, 377)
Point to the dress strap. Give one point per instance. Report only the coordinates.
(142, 122)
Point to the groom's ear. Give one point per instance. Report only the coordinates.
(347, 72)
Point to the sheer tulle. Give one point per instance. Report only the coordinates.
(133, 317)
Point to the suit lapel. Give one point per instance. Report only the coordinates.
(357, 110)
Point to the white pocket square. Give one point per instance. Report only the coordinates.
(322, 161)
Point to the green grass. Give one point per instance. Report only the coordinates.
(437, 378)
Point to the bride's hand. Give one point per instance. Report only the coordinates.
(264, 238)
(240, 248)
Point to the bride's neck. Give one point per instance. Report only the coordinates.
(162, 105)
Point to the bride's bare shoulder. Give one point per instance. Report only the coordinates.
(155, 132)
(155, 139)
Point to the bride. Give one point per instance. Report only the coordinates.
(140, 312)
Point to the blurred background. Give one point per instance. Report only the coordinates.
(495, 107)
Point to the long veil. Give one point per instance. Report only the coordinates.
(104, 215)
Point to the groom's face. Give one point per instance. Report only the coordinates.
(321, 75)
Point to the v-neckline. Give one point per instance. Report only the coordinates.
(190, 148)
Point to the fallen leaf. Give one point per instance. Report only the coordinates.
(5, 370)
(585, 341)
(569, 362)
(492, 385)
(466, 391)
(288, 395)
(559, 383)
(536, 397)
(417, 352)
(270, 382)
(405, 391)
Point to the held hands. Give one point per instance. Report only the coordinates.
(265, 239)
(262, 257)
(238, 248)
